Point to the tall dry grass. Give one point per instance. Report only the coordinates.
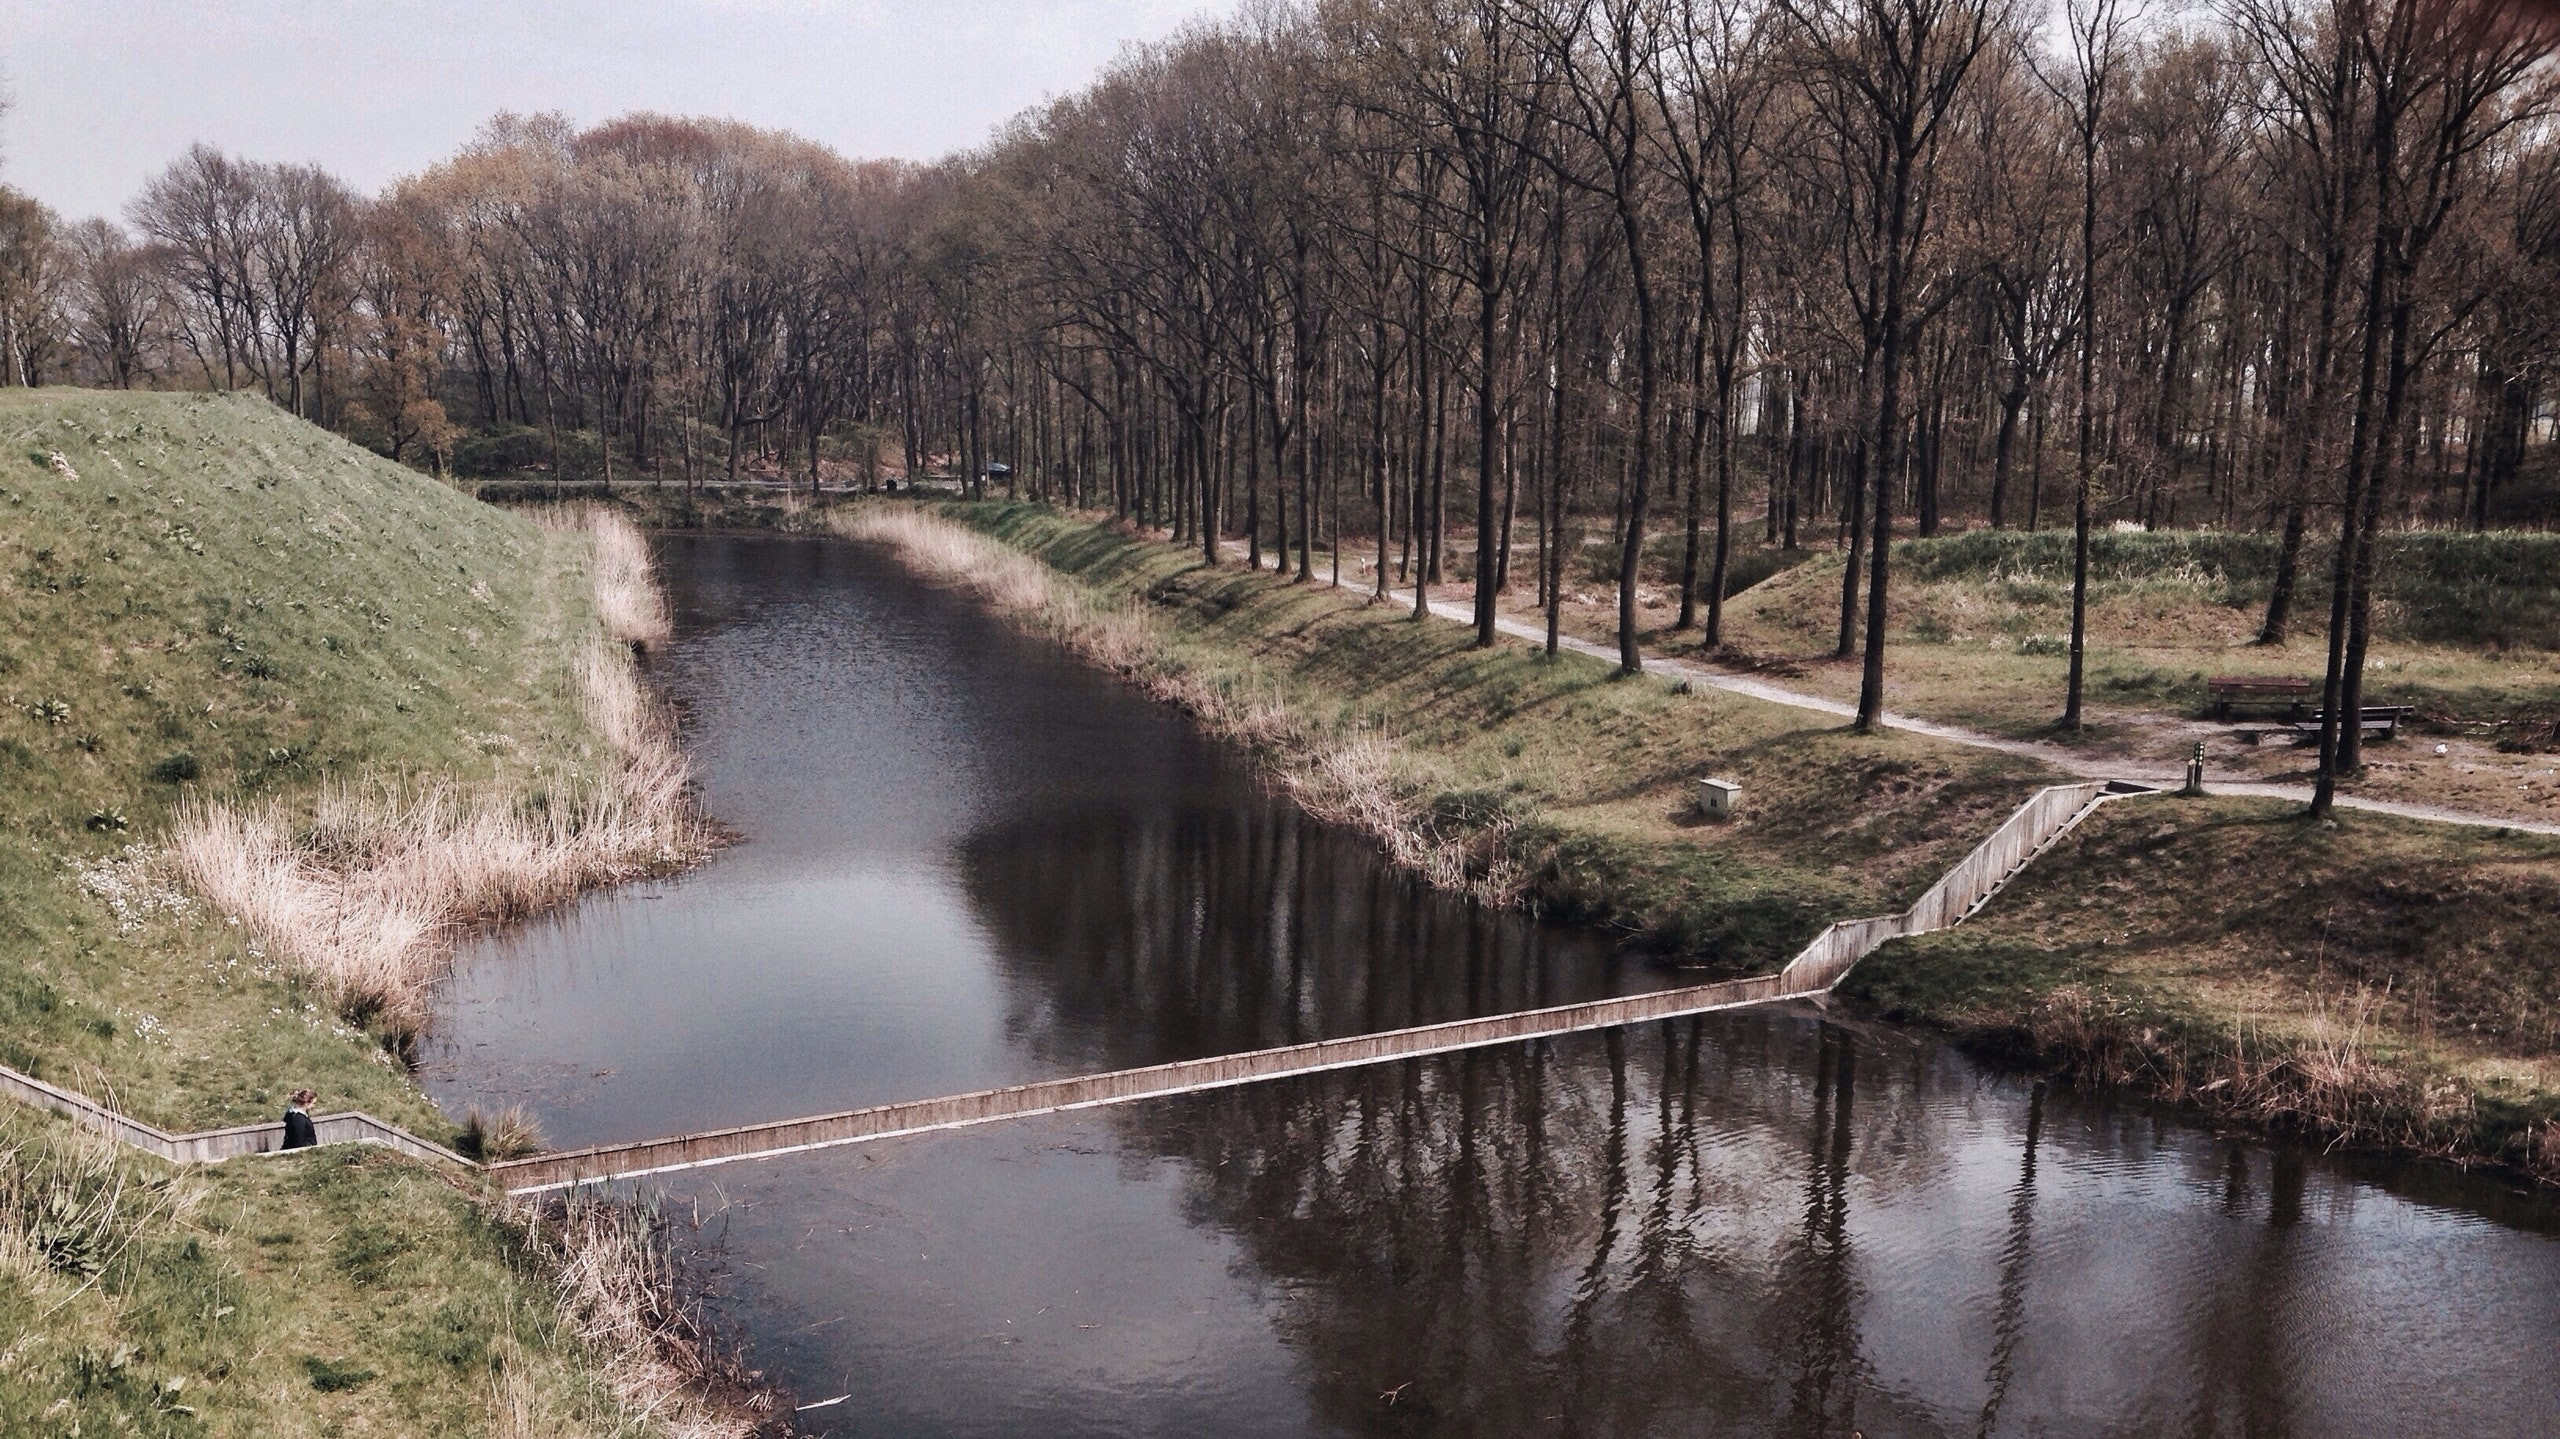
(70, 1212)
(623, 1292)
(628, 601)
(2313, 1072)
(1358, 779)
(365, 895)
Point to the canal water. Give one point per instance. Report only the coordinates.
(965, 861)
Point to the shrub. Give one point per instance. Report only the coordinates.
(177, 769)
(501, 451)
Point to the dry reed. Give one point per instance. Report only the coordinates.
(628, 600)
(1356, 779)
(365, 899)
(69, 1211)
(621, 1288)
(509, 1132)
(2315, 1074)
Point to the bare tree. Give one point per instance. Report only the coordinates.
(2097, 57)
(33, 271)
(2439, 72)
(116, 301)
(1884, 75)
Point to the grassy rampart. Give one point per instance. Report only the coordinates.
(2468, 635)
(2468, 626)
(217, 610)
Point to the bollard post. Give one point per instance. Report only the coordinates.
(2195, 772)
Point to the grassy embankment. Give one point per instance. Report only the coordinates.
(323, 677)
(2373, 979)
(1499, 770)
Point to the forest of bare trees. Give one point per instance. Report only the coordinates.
(1517, 294)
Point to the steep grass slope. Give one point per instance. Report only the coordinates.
(209, 604)
(210, 601)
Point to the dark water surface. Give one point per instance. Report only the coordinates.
(967, 862)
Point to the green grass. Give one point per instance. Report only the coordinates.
(338, 1292)
(226, 603)
(1587, 778)
(209, 599)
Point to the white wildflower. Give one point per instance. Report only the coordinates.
(130, 886)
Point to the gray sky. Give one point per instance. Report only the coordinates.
(109, 91)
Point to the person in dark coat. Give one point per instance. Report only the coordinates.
(298, 1130)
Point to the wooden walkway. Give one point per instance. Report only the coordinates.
(210, 1146)
(2028, 832)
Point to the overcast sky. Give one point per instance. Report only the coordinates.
(109, 91)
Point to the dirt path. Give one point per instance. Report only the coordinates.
(2058, 757)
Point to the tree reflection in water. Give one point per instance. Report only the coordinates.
(1760, 1223)
(1595, 1236)
(1135, 937)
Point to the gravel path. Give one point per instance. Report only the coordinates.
(2057, 757)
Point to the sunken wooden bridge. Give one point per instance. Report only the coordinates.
(2028, 832)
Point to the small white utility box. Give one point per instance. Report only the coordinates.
(1718, 798)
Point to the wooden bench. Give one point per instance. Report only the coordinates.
(2376, 721)
(2229, 692)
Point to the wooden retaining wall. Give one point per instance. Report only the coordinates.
(2027, 832)
(214, 1145)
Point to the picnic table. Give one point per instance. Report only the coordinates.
(2230, 692)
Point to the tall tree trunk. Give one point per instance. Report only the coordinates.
(1721, 570)
(2360, 451)
(1854, 496)
(1489, 343)
(2012, 402)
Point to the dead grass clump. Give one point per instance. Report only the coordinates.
(624, 1294)
(1356, 779)
(628, 600)
(2538, 734)
(954, 554)
(2316, 1074)
(365, 899)
(510, 1132)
